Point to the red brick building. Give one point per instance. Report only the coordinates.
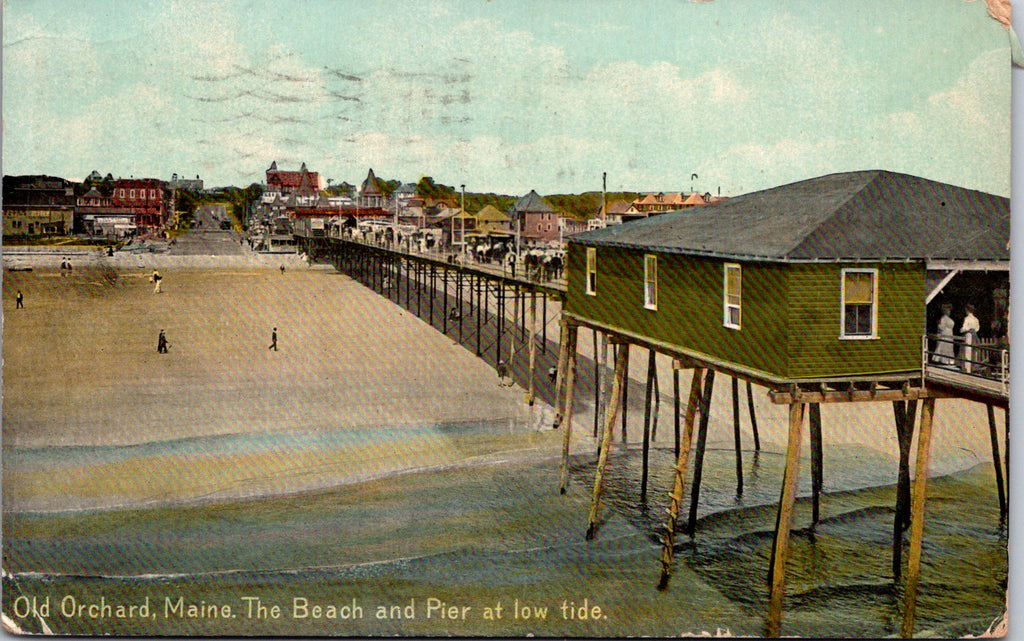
(143, 199)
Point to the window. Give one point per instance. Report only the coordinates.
(731, 297)
(131, 194)
(592, 271)
(650, 281)
(859, 303)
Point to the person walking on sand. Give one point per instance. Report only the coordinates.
(156, 278)
(19, 301)
(282, 268)
(273, 340)
(161, 343)
(502, 373)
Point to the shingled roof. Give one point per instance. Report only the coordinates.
(861, 215)
(532, 203)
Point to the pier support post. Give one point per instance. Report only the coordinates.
(544, 325)
(647, 424)
(679, 485)
(656, 410)
(784, 521)
(621, 367)
(600, 361)
(702, 443)
(625, 410)
(481, 283)
(753, 417)
(675, 404)
(738, 441)
(817, 462)
(996, 460)
(571, 335)
(904, 412)
(924, 450)
(444, 300)
(533, 347)
(563, 354)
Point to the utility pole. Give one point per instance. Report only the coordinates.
(604, 204)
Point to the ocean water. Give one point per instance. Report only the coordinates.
(839, 578)
(495, 531)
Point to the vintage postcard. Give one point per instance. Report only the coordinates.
(506, 319)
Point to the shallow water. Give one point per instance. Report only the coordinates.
(502, 532)
(839, 576)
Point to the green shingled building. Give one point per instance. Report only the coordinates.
(831, 278)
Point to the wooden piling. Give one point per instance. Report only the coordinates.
(679, 485)
(572, 332)
(480, 312)
(656, 410)
(675, 405)
(736, 434)
(563, 355)
(996, 460)
(600, 380)
(533, 348)
(753, 417)
(625, 410)
(784, 522)
(924, 450)
(817, 462)
(702, 442)
(621, 367)
(904, 420)
(647, 425)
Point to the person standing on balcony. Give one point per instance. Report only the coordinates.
(969, 330)
(944, 345)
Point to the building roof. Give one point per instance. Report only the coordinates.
(293, 180)
(860, 215)
(532, 203)
(371, 186)
(490, 213)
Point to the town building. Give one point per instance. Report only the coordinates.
(37, 206)
(371, 194)
(143, 199)
(535, 220)
(186, 184)
(98, 217)
(302, 184)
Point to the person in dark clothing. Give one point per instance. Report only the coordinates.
(273, 340)
(161, 343)
(19, 301)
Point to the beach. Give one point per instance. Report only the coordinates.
(373, 458)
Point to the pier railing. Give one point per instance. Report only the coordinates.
(535, 273)
(982, 365)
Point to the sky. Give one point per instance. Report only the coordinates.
(726, 96)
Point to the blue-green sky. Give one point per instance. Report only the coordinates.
(509, 95)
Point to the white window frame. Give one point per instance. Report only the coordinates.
(726, 294)
(591, 271)
(874, 304)
(651, 281)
